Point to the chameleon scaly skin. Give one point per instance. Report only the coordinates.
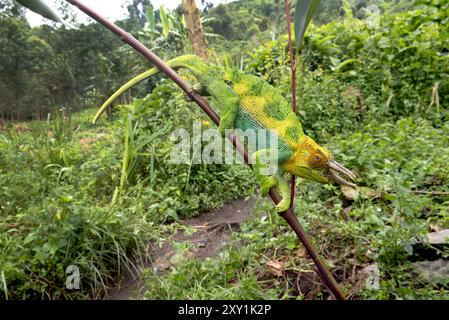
(248, 102)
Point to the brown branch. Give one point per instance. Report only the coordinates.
(293, 80)
(292, 55)
(289, 216)
(431, 193)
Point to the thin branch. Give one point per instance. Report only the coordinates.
(289, 216)
(292, 55)
(431, 193)
(293, 80)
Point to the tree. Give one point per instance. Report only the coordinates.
(26, 72)
(194, 28)
(10, 8)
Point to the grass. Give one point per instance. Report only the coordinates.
(56, 210)
(73, 193)
(57, 180)
(376, 228)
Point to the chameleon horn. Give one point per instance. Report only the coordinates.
(334, 165)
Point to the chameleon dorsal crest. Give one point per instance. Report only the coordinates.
(248, 102)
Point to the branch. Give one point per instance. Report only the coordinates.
(289, 215)
(431, 193)
(293, 77)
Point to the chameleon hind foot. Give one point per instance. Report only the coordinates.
(197, 89)
(259, 160)
(277, 181)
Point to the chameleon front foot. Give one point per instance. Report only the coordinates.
(225, 123)
(197, 89)
(266, 182)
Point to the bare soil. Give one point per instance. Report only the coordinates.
(212, 231)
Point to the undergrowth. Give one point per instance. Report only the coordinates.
(377, 227)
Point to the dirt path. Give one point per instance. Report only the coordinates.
(213, 231)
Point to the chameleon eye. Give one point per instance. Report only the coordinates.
(228, 82)
(317, 160)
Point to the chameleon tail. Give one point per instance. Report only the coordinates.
(122, 89)
(191, 62)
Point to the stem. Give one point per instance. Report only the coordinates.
(289, 216)
(432, 193)
(293, 77)
(323, 270)
(292, 56)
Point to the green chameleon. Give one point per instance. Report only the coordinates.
(248, 102)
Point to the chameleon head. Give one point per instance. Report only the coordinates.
(316, 163)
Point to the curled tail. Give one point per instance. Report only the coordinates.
(191, 62)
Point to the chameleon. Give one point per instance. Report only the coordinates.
(249, 102)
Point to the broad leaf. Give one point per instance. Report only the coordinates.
(304, 11)
(164, 21)
(150, 17)
(41, 8)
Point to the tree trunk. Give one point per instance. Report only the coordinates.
(195, 28)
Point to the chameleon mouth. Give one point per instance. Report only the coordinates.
(335, 166)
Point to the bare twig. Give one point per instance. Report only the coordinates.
(293, 80)
(431, 193)
(323, 270)
(289, 215)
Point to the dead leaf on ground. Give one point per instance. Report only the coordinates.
(162, 265)
(276, 267)
(302, 252)
(233, 282)
(351, 193)
(435, 227)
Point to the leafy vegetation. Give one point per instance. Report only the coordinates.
(373, 86)
(57, 187)
(378, 227)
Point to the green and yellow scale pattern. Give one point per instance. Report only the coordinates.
(262, 107)
(247, 101)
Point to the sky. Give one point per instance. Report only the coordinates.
(111, 8)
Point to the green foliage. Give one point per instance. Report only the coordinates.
(11, 8)
(41, 73)
(256, 17)
(304, 11)
(168, 35)
(374, 89)
(405, 53)
(151, 24)
(164, 21)
(392, 159)
(41, 8)
(57, 182)
(135, 145)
